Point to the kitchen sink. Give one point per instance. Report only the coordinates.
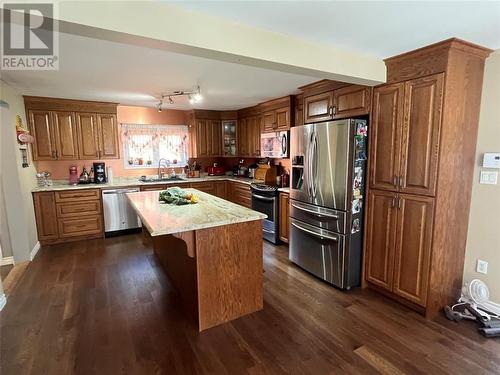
(164, 179)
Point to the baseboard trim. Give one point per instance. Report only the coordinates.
(6, 261)
(3, 301)
(35, 250)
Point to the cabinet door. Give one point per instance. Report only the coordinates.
(380, 238)
(243, 138)
(66, 135)
(45, 215)
(318, 107)
(256, 125)
(351, 101)
(201, 138)
(413, 247)
(385, 136)
(269, 121)
(421, 127)
(88, 135)
(220, 189)
(299, 115)
(42, 129)
(206, 187)
(215, 138)
(284, 218)
(108, 136)
(282, 119)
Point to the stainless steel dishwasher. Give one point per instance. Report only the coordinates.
(119, 216)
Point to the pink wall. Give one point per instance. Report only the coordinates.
(125, 114)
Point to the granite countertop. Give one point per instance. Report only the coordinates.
(121, 182)
(161, 218)
(284, 190)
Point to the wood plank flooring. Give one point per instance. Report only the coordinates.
(106, 307)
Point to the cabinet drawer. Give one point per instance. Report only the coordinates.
(80, 226)
(203, 186)
(65, 210)
(81, 195)
(242, 200)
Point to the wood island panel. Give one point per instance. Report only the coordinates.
(218, 271)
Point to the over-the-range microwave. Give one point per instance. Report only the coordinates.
(274, 145)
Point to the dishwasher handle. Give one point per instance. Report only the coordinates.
(120, 191)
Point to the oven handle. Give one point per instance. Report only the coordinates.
(336, 217)
(261, 197)
(312, 233)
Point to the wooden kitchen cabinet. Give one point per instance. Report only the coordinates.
(220, 189)
(420, 135)
(351, 101)
(413, 247)
(67, 129)
(385, 136)
(417, 218)
(108, 136)
(284, 216)
(66, 135)
(276, 114)
(330, 100)
(253, 136)
(88, 136)
(55, 135)
(70, 215)
(239, 193)
(42, 129)
(206, 132)
(299, 110)
(243, 132)
(399, 243)
(405, 135)
(380, 238)
(45, 214)
(318, 107)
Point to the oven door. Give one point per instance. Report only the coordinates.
(318, 251)
(268, 205)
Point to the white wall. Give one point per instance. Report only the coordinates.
(16, 183)
(484, 220)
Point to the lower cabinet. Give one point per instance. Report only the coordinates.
(239, 193)
(284, 216)
(398, 243)
(45, 214)
(63, 216)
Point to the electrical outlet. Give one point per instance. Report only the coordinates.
(482, 266)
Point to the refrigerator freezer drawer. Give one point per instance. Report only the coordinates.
(324, 218)
(318, 251)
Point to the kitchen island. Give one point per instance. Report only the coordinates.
(211, 251)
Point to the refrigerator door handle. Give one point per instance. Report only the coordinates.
(312, 233)
(314, 212)
(314, 163)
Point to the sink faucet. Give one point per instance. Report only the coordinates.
(162, 164)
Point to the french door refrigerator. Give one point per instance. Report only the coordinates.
(327, 198)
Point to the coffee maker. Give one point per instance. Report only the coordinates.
(99, 173)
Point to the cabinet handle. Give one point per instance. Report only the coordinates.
(395, 180)
(401, 181)
(393, 203)
(97, 154)
(399, 203)
(332, 110)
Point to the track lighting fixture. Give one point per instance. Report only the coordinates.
(194, 96)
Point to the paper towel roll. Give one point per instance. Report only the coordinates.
(109, 175)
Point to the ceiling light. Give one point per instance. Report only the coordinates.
(170, 100)
(197, 97)
(159, 105)
(191, 99)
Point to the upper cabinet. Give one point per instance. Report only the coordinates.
(329, 100)
(70, 129)
(250, 126)
(207, 137)
(277, 114)
(405, 135)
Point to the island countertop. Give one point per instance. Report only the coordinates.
(210, 211)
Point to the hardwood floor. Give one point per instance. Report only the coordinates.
(4, 271)
(106, 307)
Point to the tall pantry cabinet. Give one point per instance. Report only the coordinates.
(422, 150)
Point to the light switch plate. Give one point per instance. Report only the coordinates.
(491, 160)
(488, 177)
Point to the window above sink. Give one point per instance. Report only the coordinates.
(144, 145)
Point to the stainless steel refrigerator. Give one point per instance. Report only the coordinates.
(327, 198)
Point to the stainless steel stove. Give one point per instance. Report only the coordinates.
(265, 200)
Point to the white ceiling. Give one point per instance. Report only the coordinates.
(377, 28)
(92, 69)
